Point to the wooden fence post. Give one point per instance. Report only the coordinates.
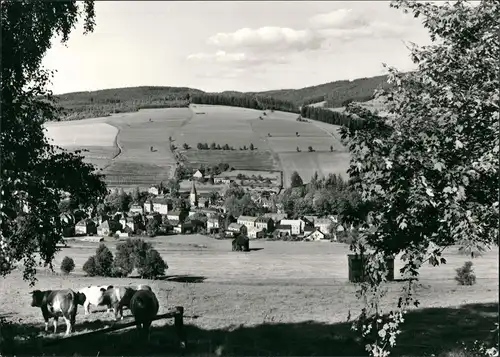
(179, 326)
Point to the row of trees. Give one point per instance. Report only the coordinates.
(311, 149)
(245, 101)
(214, 146)
(131, 254)
(321, 196)
(331, 117)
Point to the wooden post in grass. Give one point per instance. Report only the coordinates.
(179, 326)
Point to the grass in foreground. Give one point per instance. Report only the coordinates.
(433, 331)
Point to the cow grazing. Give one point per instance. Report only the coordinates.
(144, 306)
(58, 303)
(118, 297)
(94, 295)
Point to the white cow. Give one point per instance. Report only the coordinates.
(94, 296)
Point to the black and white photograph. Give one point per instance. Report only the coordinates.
(249, 178)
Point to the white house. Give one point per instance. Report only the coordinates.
(223, 180)
(198, 175)
(247, 221)
(160, 205)
(136, 208)
(213, 224)
(235, 228)
(254, 232)
(316, 235)
(296, 224)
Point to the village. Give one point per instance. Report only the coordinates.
(167, 211)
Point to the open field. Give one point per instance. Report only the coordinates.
(69, 133)
(297, 290)
(133, 148)
(285, 128)
(121, 144)
(225, 125)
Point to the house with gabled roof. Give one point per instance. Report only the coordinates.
(234, 229)
(266, 223)
(248, 221)
(86, 227)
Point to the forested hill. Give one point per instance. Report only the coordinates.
(80, 105)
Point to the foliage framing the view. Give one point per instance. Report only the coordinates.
(430, 168)
(35, 173)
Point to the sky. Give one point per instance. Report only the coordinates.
(243, 46)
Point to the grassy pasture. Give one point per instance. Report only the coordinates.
(131, 161)
(244, 160)
(125, 156)
(285, 128)
(224, 125)
(319, 144)
(284, 299)
(100, 156)
(185, 185)
(273, 175)
(81, 134)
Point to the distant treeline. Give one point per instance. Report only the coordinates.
(331, 117)
(77, 112)
(245, 101)
(80, 105)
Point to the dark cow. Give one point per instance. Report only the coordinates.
(58, 303)
(144, 306)
(240, 244)
(118, 297)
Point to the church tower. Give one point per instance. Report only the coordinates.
(193, 196)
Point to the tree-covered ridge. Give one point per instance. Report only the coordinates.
(334, 93)
(80, 105)
(331, 117)
(245, 101)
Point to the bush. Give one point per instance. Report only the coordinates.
(67, 265)
(90, 266)
(100, 264)
(129, 255)
(123, 264)
(152, 265)
(153, 228)
(465, 274)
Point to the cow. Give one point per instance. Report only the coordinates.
(118, 297)
(58, 303)
(94, 296)
(144, 306)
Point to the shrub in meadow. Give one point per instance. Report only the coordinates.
(465, 274)
(152, 265)
(67, 265)
(90, 267)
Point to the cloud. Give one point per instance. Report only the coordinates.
(270, 38)
(322, 29)
(338, 19)
(239, 59)
(249, 48)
